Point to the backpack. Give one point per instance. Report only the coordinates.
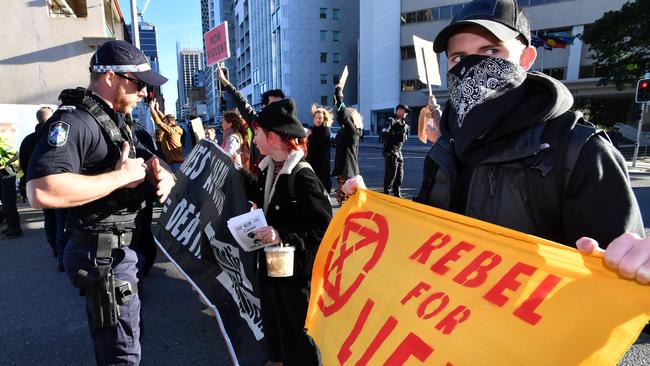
(292, 177)
(548, 173)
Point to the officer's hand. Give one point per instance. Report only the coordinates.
(132, 171)
(628, 255)
(350, 186)
(164, 179)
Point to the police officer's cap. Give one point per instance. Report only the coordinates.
(122, 57)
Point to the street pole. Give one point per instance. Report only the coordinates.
(638, 135)
(134, 24)
(638, 130)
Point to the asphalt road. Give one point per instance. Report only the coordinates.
(42, 317)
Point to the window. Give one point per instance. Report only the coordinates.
(412, 85)
(336, 14)
(323, 13)
(75, 9)
(336, 36)
(557, 72)
(336, 78)
(423, 15)
(323, 35)
(323, 57)
(323, 78)
(336, 57)
(408, 52)
(323, 100)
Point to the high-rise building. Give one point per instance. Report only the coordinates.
(189, 61)
(148, 42)
(208, 21)
(389, 73)
(300, 47)
(149, 46)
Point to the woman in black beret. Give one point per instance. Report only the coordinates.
(296, 219)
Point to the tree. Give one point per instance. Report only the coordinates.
(620, 41)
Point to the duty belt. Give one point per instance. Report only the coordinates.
(91, 238)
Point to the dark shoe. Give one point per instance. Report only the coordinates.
(4, 231)
(13, 233)
(61, 268)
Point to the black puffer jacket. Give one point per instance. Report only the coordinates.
(487, 179)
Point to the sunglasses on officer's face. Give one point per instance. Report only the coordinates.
(138, 83)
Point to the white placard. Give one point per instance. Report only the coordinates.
(243, 226)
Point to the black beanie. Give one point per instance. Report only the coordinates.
(280, 117)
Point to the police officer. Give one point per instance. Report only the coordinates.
(395, 134)
(86, 159)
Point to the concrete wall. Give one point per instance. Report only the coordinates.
(41, 55)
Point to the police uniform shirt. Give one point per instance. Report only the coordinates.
(73, 142)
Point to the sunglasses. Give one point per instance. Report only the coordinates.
(138, 83)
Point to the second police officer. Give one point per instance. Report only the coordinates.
(394, 135)
(85, 159)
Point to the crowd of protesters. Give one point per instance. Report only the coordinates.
(470, 151)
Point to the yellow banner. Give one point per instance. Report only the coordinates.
(397, 282)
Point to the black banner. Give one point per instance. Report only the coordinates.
(194, 234)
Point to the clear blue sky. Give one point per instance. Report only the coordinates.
(175, 21)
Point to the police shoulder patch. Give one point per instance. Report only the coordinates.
(58, 134)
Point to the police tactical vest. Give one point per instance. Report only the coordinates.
(116, 211)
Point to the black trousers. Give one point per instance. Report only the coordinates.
(393, 174)
(8, 197)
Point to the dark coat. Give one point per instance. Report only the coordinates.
(346, 162)
(489, 181)
(318, 154)
(301, 222)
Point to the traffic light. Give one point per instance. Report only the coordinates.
(643, 91)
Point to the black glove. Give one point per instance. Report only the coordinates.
(338, 95)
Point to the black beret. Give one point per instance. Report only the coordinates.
(280, 117)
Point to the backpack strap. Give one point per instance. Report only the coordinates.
(292, 177)
(578, 137)
(562, 142)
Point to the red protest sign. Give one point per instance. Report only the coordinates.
(217, 47)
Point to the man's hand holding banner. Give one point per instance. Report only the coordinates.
(397, 282)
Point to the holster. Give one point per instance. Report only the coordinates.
(104, 292)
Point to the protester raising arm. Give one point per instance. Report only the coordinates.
(245, 109)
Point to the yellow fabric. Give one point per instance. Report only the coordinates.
(390, 286)
(170, 142)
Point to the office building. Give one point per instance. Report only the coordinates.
(300, 47)
(189, 61)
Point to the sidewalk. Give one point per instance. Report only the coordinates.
(43, 317)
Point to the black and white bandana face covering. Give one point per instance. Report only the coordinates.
(476, 84)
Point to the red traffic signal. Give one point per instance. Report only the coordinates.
(643, 91)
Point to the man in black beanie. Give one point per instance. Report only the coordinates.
(512, 152)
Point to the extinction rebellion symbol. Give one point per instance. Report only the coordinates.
(370, 231)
